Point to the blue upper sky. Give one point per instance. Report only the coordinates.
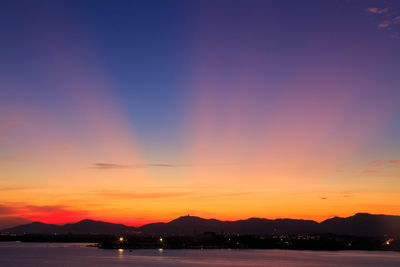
(152, 53)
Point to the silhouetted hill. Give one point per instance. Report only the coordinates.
(186, 225)
(361, 224)
(82, 227)
(189, 225)
(34, 228)
(97, 227)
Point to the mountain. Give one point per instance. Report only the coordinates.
(189, 225)
(34, 228)
(360, 224)
(82, 227)
(97, 227)
(363, 224)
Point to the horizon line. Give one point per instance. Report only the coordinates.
(188, 215)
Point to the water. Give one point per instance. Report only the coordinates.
(67, 254)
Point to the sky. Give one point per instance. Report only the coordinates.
(144, 111)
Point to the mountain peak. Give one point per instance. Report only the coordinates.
(88, 221)
(192, 220)
(187, 218)
(362, 214)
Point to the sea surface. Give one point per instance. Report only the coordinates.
(67, 254)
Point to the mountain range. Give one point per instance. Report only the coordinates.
(360, 224)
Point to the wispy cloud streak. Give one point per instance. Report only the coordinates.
(384, 24)
(381, 163)
(141, 195)
(106, 166)
(376, 10)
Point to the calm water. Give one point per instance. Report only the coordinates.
(62, 254)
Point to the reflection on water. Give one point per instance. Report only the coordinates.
(67, 254)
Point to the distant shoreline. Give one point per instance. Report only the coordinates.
(324, 242)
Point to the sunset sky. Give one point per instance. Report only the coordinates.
(143, 111)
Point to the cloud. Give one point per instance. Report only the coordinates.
(6, 210)
(369, 172)
(395, 35)
(141, 195)
(394, 161)
(9, 118)
(107, 166)
(168, 165)
(380, 163)
(384, 24)
(45, 213)
(377, 163)
(43, 209)
(391, 19)
(234, 194)
(347, 194)
(376, 10)
(323, 198)
(7, 159)
(14, 188)
(170, 194)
